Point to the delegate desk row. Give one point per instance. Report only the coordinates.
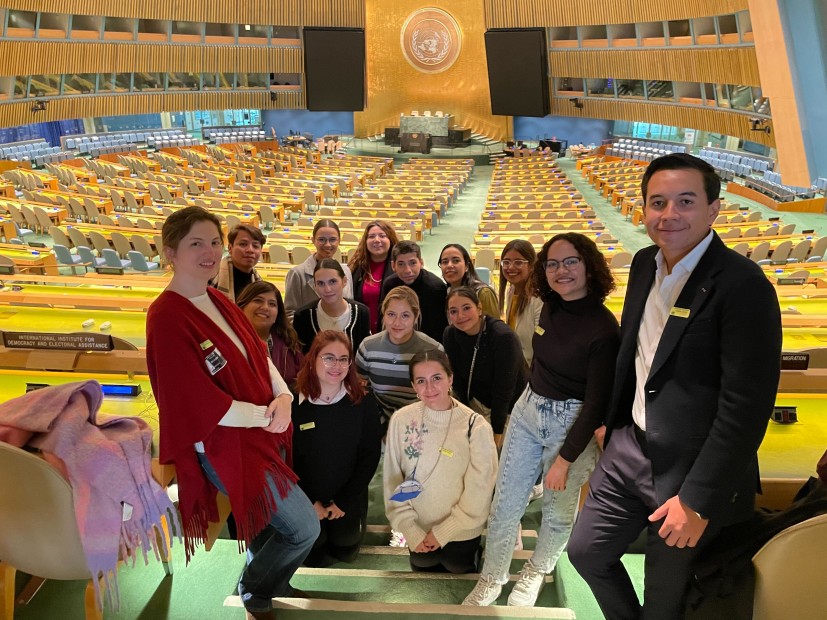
(65, 303)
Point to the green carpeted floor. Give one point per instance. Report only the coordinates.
(379, 574)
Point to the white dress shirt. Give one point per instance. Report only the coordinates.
(662, 296)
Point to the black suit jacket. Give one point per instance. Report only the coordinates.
(713, 381)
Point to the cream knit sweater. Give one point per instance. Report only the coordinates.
(457, 472)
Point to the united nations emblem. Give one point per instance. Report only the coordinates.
(431, 40)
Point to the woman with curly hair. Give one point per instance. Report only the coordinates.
(553, 424)
(371, 263)
(263, 305)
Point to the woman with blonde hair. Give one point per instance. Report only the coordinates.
(370, 264)
(383, 358)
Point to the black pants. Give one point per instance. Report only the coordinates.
(457, 557)
(339, 539)
(621, 498)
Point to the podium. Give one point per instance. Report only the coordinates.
(416, 143)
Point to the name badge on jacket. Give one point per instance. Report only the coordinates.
(215, 361)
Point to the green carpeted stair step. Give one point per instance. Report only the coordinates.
(317, 609)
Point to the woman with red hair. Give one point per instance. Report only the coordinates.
(336, 446)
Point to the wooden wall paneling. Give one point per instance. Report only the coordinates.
(34, 58)
(706, 119)
(348, 13)
(737, 65)
(533, 13)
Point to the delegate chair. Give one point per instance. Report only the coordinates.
(65, 257)
(40, 532)
(142, 245)
(139, 263)
(89, 257)
(278, 253)
(58, 236)
(789, 579)
(121, 243)
(112, 259)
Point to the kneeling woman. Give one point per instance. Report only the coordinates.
(335, 446)
(331, 310)
(439, 470)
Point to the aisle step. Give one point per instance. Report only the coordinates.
(318, 609)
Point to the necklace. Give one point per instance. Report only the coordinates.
(370, 272)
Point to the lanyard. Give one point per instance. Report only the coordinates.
(474, 359)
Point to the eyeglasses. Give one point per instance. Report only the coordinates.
(331, 360)
(519, 263)
(327, 240)
(569, 263)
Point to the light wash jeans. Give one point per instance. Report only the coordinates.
(275, 554)
(536, 432)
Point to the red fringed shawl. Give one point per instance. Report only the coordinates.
(191, 401)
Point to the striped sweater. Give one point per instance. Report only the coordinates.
(385, 365)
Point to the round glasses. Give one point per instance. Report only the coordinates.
(569, 263)
(331, 360)
(519, 263)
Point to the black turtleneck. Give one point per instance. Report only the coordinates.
(575, 349)
(240, 280)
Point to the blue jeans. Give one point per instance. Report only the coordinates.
(536, 432)
(279, 549)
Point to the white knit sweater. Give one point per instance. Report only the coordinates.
(457, 472)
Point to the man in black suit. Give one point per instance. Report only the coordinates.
(409, 270)
(695, 384)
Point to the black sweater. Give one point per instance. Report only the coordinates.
(575, 350)
(432, 292)
(499, 371)
(336, 450)
(306, 324)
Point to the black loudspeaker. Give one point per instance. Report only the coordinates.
(518, 72)
(334, 67)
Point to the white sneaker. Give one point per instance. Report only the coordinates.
(397, 539)
(484, 593)
(528, 587)
(536, 492)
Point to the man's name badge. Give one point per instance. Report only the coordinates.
(206, 344)
(682, 313)
(539, 331)
(307, 426)
(215, 361)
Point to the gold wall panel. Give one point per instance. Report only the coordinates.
(273, 12)
(532, 13)
(394, 86)
(777, 84)
(34, 58)
(12, 114)
(736, 65)
(714, 120)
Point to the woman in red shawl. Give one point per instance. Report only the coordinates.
(225, 415)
